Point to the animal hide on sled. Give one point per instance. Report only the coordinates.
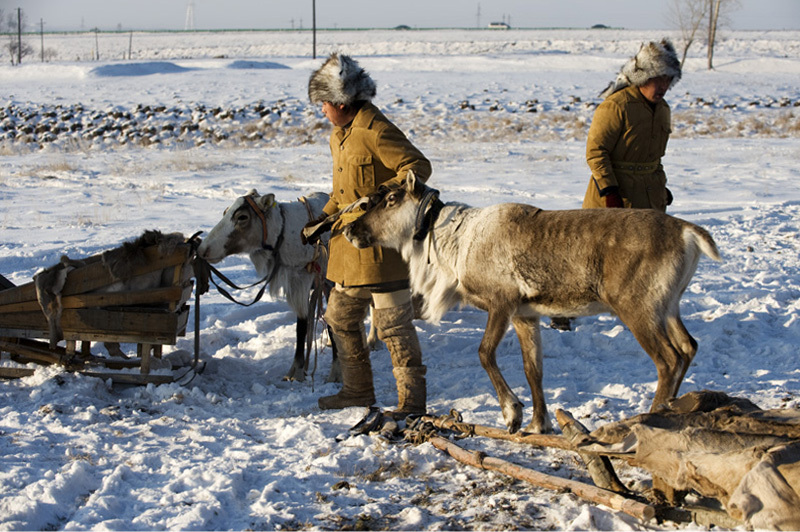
(721, 447)
(120, 263)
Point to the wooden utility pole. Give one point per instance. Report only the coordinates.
(41, 32)
(314, 28)
(19, 35)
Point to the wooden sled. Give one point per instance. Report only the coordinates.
(148, 318)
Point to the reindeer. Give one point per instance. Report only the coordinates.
(270, 233)
(518, 262)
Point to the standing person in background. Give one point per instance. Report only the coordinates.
(629, 135)
(368, 151)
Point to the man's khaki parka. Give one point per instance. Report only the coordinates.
(369, 152)
(626, 141)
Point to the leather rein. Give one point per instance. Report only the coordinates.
(272, 249)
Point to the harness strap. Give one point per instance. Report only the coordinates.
(266, 280)
(264, 235)
(427, 213)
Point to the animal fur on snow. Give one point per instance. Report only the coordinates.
(120, 263)
(721, 447)
(340, 81)
(653, 59)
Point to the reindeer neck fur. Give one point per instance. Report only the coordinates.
(286, 264)
(434, 261)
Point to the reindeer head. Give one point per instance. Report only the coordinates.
(395, 216)
(242, 228)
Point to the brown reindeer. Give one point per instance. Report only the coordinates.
(518, 262)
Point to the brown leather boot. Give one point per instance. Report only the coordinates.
(412, 391)
(396, 330)
(357, 388)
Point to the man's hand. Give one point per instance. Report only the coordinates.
(613, 199)
(314, 229)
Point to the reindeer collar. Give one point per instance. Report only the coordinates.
(253, 205)
(427, 213)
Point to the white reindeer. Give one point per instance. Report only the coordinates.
(518, 262)
(270, 233)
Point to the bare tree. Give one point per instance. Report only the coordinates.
(16, 46)
(717, 10)
(687, 15)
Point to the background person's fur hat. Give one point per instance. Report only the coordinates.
(340, 80)
(653, 59)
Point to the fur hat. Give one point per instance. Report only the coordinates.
(653, 59)
(340, 80)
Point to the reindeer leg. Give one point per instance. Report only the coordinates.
(336, 368)
(684, 344)
(509, 403)
(297, 371)
(530, 341)
(671, 364)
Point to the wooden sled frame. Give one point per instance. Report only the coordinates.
(149, 318)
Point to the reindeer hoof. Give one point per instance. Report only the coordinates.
(539, 426)
(295, 374)
(513, 416)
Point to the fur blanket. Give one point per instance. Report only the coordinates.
(120, 263)
(721, 447)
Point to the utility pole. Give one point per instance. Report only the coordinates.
(478, 17)
(41, 32)
(313, 28)
(19, 35)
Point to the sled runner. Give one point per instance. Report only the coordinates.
(134, 294)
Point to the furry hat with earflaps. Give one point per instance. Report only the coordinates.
(653, 59)
(340, 80)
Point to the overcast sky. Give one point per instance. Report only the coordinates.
(279, 14)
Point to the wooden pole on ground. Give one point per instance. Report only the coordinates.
(641, 511)
(541, 440)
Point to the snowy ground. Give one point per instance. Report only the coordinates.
(238, 448)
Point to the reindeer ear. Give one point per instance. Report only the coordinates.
(411, 181)
(266, 201)
(253, 192)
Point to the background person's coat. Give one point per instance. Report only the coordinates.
(626, 141)
(370, 152)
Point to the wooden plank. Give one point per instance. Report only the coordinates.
(95, 275)
(599, 467)
(15, 373)
(38, 352)
(129, 325)
(641, 511)
(130, 378)
(18, 294)
(167, 296)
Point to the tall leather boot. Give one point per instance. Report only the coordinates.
(412, 391)
(397, 331)
(345, 317)
(357, 388)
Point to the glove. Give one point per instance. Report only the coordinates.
(613, 199)
(669, 196)
(314, 229)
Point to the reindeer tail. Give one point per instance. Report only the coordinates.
(702, 239)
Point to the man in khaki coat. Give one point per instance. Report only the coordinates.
(628, 137)
(629, 133)
(368, 151)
